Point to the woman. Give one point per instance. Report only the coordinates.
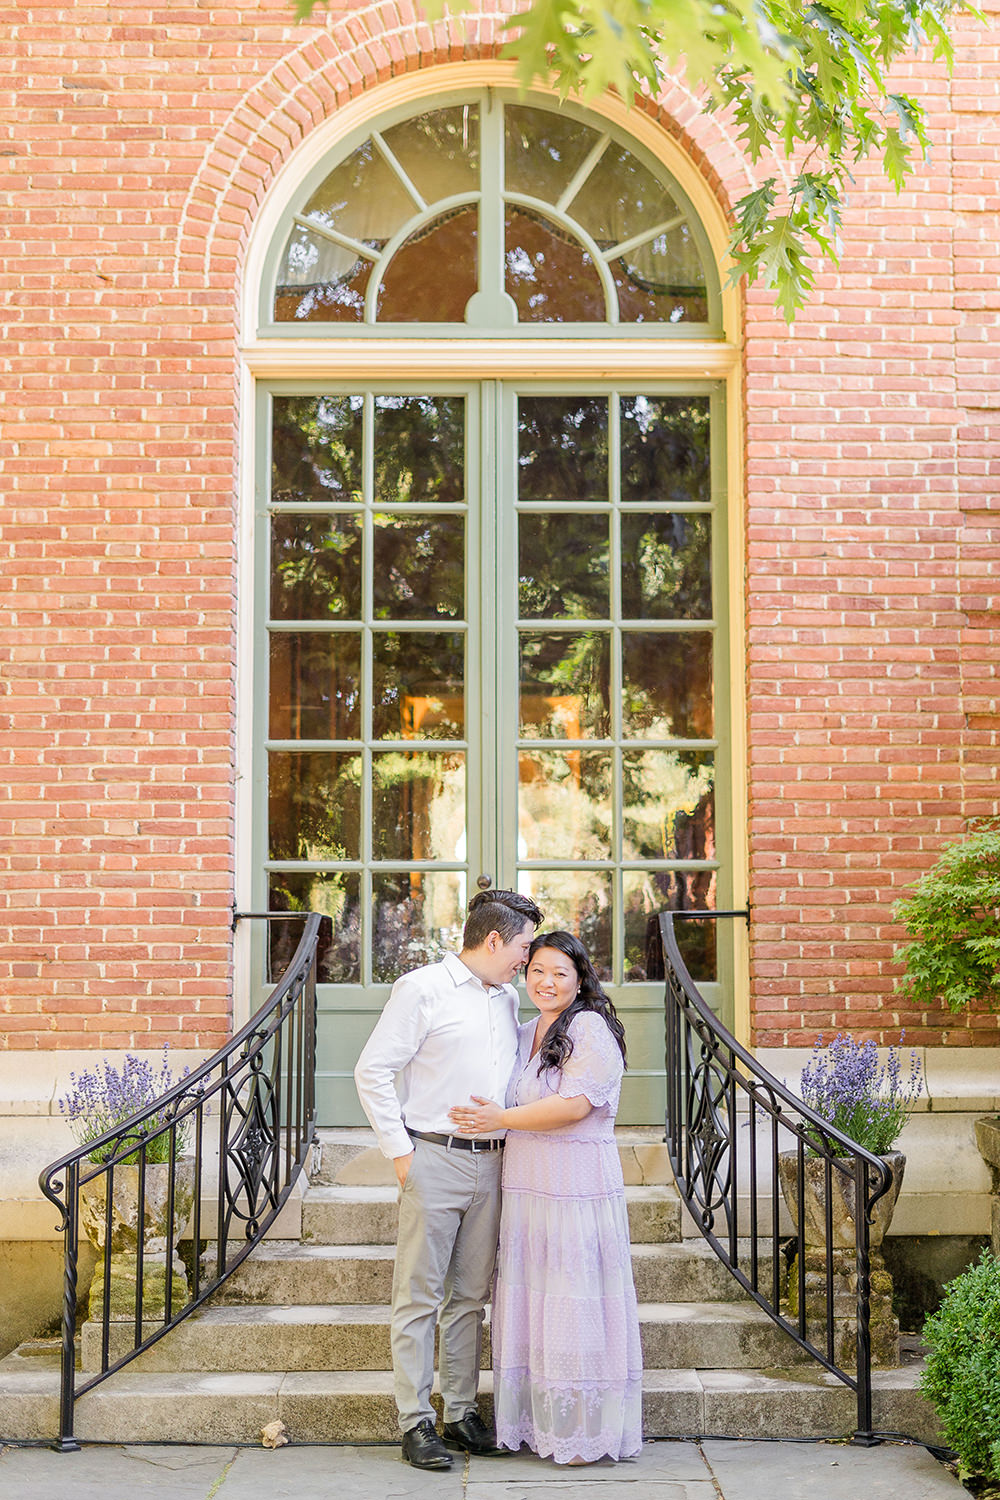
(565, 1327)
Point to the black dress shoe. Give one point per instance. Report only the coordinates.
(471, 1435)
(424, 1449)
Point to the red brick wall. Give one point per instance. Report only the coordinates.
(873, 456)
(136, 145)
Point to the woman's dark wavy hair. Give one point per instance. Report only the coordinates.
(557, 1048)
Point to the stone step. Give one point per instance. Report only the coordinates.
(357, 1406)
(369, 1215)
(350, 1158)
(287, 1272)
(675, 1335)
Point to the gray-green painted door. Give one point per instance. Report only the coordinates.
(495, 644)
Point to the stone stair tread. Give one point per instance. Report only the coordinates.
(333, 1405)
(321, 1192)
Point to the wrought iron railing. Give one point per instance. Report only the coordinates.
(238, 1130)
(727, 1121)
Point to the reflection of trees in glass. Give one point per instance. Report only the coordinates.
(577, 901)
(665, 449)
(418, 917)
(563, 566)
(564, 804)
(419, 448)
(667, 566)
(667, 684)
(315, 685)
(668, 804)
(649, 892)
(338, 896)
(419, 567)
(562, 448)
(316, 448)
(314, 805)
(413, 289)
(549, 274)
(565, 685)
(418, 687)
(418, 805)
(315, 566)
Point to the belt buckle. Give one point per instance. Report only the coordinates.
(474, 1147)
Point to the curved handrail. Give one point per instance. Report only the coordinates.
(261, 1088)
(708, 1071)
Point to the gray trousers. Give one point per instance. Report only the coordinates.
(449, 1219)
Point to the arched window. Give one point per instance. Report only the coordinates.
(492, 621)
(539, 216)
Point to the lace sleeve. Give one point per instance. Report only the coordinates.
(595, 1068)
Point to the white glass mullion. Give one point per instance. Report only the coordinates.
(388, 155)
(367, 677)
(583, 172)
(617, 790)
(614, 251)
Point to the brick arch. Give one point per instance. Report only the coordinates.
(333, 65)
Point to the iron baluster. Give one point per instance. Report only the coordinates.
(707, 1073)
(264, 1175)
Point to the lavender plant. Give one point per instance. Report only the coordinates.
(103, 1099)
(866, 1102)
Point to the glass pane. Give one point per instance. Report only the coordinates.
(662, 281)
(549, 274)
(439, 151)
(320, 281)
(419, 449)
(621, 198)
(338, 895)
(316, 448)
(668, 799)
(576, 901)
(667, 566)
(666, 455)
(647, 893)
(315, 567)
(667, 692)
(362, 198)
(565, 685)
(562, 448)
(314, 805)
(432, 276)
(418, 805)
(542, 151)
(315, 685)
(563, 567)
(419, 567)
(419, 686)
(564, 804)
(418, 917)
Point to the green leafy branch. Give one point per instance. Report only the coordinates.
(809, 82)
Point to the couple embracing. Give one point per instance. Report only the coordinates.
(462, 1098)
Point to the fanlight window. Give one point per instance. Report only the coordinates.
(495, 216)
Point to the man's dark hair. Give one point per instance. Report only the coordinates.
(498, 911)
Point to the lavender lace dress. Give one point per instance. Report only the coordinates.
(565, 1327)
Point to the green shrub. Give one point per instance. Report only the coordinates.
(953, 920)
(962, 1378)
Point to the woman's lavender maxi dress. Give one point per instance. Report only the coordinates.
(565, 1326)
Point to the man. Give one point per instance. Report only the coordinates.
(448, 1030)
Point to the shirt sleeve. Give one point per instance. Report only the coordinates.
(398, 1034)
(595, 1067)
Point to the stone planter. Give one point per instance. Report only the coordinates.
(125, 1229)
(884, 1326)
(988, 1141)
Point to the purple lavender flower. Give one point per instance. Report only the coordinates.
(849, 1089)
(105, 1098)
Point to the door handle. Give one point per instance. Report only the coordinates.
(485, 882)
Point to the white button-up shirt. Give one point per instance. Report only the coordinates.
(442, 1036)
